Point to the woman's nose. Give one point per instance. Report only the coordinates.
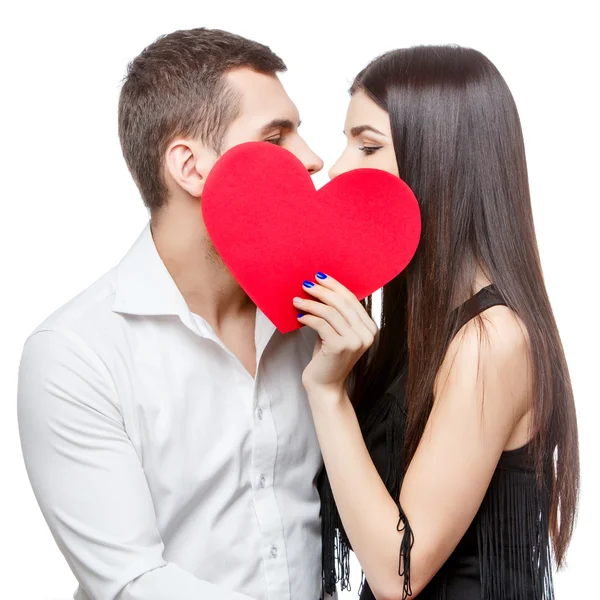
(334, 171)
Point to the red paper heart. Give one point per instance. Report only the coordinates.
(273, 230)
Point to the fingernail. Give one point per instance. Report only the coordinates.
(297, 300)
(300, 315)
(321, 275)
(308, 284)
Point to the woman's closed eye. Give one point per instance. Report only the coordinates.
(369, 150)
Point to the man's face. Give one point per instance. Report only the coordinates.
(267, 114)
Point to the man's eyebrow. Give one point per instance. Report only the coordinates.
(361, 128)
(278, 124)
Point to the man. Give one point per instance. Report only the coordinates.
(163, 421)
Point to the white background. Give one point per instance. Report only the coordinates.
(70, 210)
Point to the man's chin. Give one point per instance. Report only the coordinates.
(214, 256)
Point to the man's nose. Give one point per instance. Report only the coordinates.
(314, 163)
(309, 159)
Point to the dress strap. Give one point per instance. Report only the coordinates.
(485, 298)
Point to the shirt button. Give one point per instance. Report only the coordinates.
(262, 481)
(274, 551)
(259, 413)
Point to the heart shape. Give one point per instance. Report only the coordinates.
(274, 230)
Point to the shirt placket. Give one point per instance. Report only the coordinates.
(264, 456)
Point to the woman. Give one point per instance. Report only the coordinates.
(458, 451)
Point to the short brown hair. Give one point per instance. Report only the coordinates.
(175, 87)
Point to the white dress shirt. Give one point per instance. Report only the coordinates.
(164, 470)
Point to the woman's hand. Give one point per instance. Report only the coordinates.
(345, 331)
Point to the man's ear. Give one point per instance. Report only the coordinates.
(188, 163)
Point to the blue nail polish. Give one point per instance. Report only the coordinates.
(321, 275)
(308, 284)
(300, 315)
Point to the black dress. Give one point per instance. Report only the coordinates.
(504, 554)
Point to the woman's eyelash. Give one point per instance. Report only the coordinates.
(368, 150)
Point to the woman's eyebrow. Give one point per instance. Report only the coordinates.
(362, 128)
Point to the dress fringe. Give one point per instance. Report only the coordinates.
(513, 539)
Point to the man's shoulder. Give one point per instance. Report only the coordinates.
(91, 309)
(64, 358)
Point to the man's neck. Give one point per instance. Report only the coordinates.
(206, 284)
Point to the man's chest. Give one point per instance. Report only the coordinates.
(204, 428)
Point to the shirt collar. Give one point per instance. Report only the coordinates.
(144, 286)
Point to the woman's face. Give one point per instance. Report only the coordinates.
(369, 136)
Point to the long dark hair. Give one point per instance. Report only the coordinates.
(459, 146)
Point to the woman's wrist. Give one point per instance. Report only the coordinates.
(327, 397)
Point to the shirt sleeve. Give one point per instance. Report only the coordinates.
(88, 479)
